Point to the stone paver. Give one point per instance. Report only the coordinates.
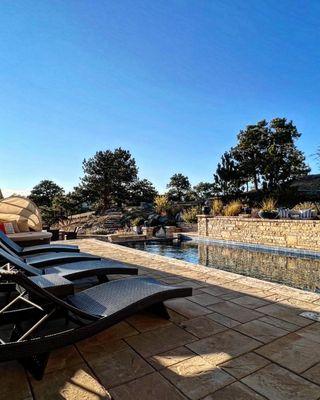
(219, 344)
(202, 327)
(154, 342)
(276, 383)
(235, 311)
(186, 307)
(143, 322)
(235, 391)
(313, 374)
(170, 357)
(285, 313)
(244, 365)
(205, 299)
(196, 378)
(150, 387)
(116, 368)
(293, 351)
(13, 381)
(223, 320)
(261, 331)
(250, 302)
(287, 326)
(223, 346)
(71, 383)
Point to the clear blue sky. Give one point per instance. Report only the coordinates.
(172, 81)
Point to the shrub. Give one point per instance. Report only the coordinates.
(190, 215)
(269, 204)
(137, 221)
(217, 207)
(233, 208)
(307, 205)
(161, 204)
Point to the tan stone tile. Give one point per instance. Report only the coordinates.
(205, 299)
(261, 331)
(276, 383)
(193, 284)
(202, 327)
(217, 290)
(311, 332)
(287, 326)
(145, 321)
(175, 317)
(250, 302)
(235, 312)
(149, 387)
(196, 378)
(294, 352)
(97, 345)
(63, 358)
(120, 367)
(223, 346)
(284, 313)
(71, 384)
(13, 381)
(160, 340)
(275, 298)
(223, 320)
(186, 307)
(301, 306)
(313, 374)
(171, 357)
(244, 365)
(235, 391)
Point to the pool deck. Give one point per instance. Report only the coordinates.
(236, 338)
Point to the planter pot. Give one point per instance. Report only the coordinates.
(268, 214)
(137, 229)
(206, 210)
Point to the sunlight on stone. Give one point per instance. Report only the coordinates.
(83, 386)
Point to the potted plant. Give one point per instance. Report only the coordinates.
(268, 209)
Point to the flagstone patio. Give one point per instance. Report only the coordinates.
(236, 338)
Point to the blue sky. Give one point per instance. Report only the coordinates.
(172, 81)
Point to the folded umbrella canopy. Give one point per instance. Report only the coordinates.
(18, 208)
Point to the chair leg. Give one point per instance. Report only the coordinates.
(159, 309)
(35, 365)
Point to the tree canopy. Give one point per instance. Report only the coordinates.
(44, 193)
(141, 190)
(179, 186)
(265, 156)
(108, 176)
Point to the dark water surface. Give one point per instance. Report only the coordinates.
(299, 272)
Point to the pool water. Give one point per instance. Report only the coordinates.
(296, 271)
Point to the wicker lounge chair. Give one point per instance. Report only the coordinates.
(32, 336)
(46, 259)
(41, 248)
(75, 270)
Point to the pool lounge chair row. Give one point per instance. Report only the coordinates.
(41, 321)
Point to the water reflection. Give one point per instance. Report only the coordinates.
(303, 273)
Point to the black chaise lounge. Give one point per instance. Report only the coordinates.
(33, 334)
(41, 248)
(82, 269)
(46, 259)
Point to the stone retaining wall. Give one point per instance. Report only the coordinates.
(296, 234)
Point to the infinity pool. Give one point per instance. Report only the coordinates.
(300, 272)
